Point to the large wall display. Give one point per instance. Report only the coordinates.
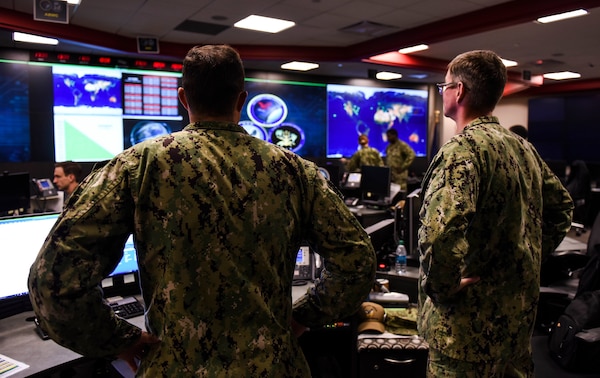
(355, 110)
(290, 114)
(80, 110)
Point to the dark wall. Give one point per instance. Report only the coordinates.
(566, 128)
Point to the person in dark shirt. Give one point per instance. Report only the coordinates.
(67, 175)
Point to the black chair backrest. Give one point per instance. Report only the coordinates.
(593, 245)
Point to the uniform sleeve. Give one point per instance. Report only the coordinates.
(354, 162)
(449, 204)
(84, 246)
(408, 156)
(349, 257)
(556, 213)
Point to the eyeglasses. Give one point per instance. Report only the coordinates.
(441, 86)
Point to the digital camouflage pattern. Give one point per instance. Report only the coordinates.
(217, 217)
(365, 156)
(399, 157)
(491, 208)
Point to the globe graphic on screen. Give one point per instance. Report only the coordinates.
(147, 130)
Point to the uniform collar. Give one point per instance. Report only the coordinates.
(482, 120)
(215, 125)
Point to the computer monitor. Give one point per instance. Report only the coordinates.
(15, 189)
(22, 238)
(375, 185)
(411, 222)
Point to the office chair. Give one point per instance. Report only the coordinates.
(565, 276)
(579, 186)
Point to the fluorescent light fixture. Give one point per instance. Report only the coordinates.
(30, 38)
(509, 63)
(412, 49)
(74, 2)
(562, 16)
(385, 75)
(264, 24)
(299, 66)
(562, 75)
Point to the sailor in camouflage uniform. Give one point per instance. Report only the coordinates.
(366, 155)
(399, 157)
(217, 217)
(492, 210)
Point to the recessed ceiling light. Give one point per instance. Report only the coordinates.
(385, 75)
(509, 63)
(412, 49)
(299, 66)
(30, 38)
(562, 75)
(264, 24)
(562, 16)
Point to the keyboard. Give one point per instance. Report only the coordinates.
(126, 308)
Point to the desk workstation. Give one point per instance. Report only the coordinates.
(20, 341)
(44, 358)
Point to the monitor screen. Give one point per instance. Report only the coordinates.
(15, 192)
(355, 110)
(128, 263)
(412, 223)
(375, 184)
(99, 112)
(290, 114)
(14, 109)
(22, 237)
(84, 113)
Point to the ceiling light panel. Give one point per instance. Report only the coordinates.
(562, 75)
(264, 24)
(299, 66)
(562, 16)
(30, 38)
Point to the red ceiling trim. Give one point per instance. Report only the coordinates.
(502, 15)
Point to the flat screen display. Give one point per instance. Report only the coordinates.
(15, 132)
(290, 114)
(99, 112)
(355, 110)
(84, 113)
(22, 238)
(375, 184)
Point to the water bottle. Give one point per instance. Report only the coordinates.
(400, 265)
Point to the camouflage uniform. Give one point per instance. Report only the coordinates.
(491, 208)
(399, 156)
(365, 156)
(217, 217)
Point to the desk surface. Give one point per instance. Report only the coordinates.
(571, 244)
(19, 341)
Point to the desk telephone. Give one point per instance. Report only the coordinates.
(308, 265)
(43, 188)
